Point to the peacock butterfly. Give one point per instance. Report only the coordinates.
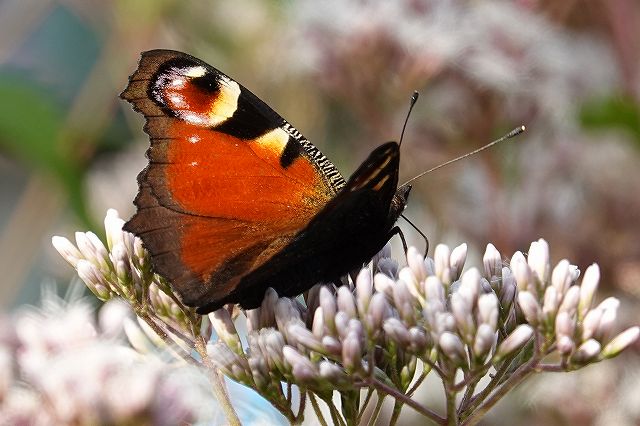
(235, 200)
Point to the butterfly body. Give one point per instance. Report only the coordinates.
(235, 200)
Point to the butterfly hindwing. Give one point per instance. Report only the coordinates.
(346, 233)
(229, 182)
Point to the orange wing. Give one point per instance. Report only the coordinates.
(229, 181)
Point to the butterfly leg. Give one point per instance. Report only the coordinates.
(397, 231)
(426, 240)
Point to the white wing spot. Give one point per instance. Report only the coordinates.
(195, 72)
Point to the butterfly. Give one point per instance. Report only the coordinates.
(235, 200)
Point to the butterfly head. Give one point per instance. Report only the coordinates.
(399, 202)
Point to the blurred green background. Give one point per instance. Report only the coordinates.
(342, 72)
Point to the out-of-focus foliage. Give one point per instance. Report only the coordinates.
(611, 112)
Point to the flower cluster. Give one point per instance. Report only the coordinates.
(58, 366)
(386, 330)
(374, 334)
(122, 269)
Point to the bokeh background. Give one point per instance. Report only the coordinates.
(342, 72)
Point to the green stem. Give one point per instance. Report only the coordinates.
(450, 393)
(317, 410)
(395, 414)
(335, 415)
(425, 372)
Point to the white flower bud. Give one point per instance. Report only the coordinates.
(561, 277)
(418, 339)
(565, 328)
(488, 310)
(383, 284)
(407, 276)
(332, 345)
(259, 372)
(225, 329)
(404, 302)
(508, 290)
(530, 307)
(588, 289)
(346, 302)
(342, 322)
(521, 272)
(441, 258)
(67, 250)
(514, 342)
(302, 369)
(538, 260)
(484, 340)
(621, 342)
(328, 305)
(113, 228)
(397, 332)
(223, 358)
(434, 289)
(430, 265)
(415, 262)
(492, 262)
(92, 277)
(587, 352)
(378, 311)
(463, 314)
(351, 353)
(364, 289)
(267, 316)
(591, 323)
(317, 327)
(285, 312)
(452, 347)
(298, 334)
(570, 301)
(458, 258)
(332, 373)
(565, 345)
(470, 286)
(551, 303)
(607, 322)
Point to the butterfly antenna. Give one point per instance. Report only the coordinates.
(511, 134)
(414, 99)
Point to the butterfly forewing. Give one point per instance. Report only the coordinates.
(229, 182)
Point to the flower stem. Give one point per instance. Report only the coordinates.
(515, 379)
(376, 411)
(452, 415)
(217, 383)
(317, 410)
(498, 388)
(397, 407)
(405, 399)
(303, 402)
(468, 406)
(364, 405)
